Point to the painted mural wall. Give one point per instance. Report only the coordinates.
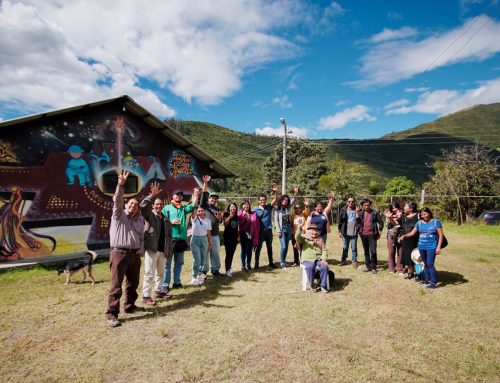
(57, 177)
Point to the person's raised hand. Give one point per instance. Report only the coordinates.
(274, 187)
(122, 178)
(155, 189)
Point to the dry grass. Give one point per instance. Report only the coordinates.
(259, 327)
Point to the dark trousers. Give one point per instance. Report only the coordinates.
(265, 236)
(370, 248)
(230, 246)
(296, 254)
(123, 263)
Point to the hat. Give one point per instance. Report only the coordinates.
(415, 256)
(312, 226)
(75, 149)
(213, 194)
(179, 192)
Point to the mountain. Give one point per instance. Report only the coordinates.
(409, 153)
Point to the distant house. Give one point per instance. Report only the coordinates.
(58, 172)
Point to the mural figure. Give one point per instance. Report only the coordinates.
(7, 153)
(99, 163)
(77, 167)
(155, 171)
(15, 241)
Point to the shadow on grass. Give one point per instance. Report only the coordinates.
(449, 278)
(340, 283)
(191, 296)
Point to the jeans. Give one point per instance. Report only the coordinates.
(428, 257)
(286, 234)
(214, 255)
(199, 248)
(178, 258)
(265, 236)
(246, 251)
(353, 240)
(370, 248)
(311, 270)
(154, 271)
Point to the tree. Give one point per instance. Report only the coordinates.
(373, 188)
(466, 173)
(307, 174)
(400, 186)
(297, 150)
(342, 179)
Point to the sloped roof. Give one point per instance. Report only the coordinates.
(140, 112)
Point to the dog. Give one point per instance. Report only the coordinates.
(84, 265)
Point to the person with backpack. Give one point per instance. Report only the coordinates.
(430, 242)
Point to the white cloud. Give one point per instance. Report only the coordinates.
(397, 103)
(417, 89)
(283, 102)
(393, 34)
(55, 54)
(278, 132)
(448, 101)
(392, 61)
(340, 119)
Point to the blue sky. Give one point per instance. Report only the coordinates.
(342, 69)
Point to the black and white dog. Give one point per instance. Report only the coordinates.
(84, 265)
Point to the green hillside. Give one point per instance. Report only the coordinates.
(409, 153)
(481, 122)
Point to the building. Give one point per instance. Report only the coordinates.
(58, 172)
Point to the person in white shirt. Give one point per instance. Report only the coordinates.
(201, 243)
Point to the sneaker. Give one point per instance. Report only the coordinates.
(148, 301)
(366, 270)
(431, 286)
(201, 278)
(423, 282)
(355, 264)
(229, 273)
(133, 309)
(283, 265)
(244, 269)
(177, 286)
(195, 282)
(374, 271)
(216, 273)
(324, 289)
(342, 263)
(113, 322)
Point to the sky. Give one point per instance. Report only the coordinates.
(332, 69)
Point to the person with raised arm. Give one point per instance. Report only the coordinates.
(209, 202)
(157, 245)
(126, 237)
(177, 213)
(319, 217)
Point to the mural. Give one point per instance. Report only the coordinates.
(62, 174)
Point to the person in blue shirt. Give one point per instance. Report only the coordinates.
(429, 244)
(264, 213)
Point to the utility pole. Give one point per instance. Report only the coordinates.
(283, 175)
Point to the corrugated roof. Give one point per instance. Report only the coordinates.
(147, 117)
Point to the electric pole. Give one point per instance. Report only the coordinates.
(283, 176)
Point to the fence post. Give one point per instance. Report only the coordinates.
(422, 198)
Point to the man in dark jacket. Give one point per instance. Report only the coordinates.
(157, 245)
(209, 203)
(371, 226)
(349, 222)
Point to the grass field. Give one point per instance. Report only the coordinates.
(259, 326)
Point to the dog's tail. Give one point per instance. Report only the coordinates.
(92, 255)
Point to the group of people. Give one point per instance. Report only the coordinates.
(164, 232)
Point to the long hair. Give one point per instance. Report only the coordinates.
(412, 205)
(249, 205)
(232, 204)
(428, 211)
(280, 206)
